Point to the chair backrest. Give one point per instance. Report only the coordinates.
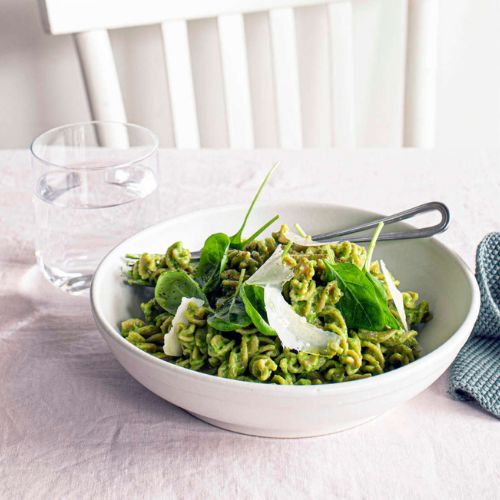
(89, 21)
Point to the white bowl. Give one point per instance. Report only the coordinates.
(425, 266)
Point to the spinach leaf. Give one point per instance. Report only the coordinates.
(236, 240)
(241, 245)
(212, 261)
(359, 305)
(172, 286)
(253, 298)
(230, 316)
(381, 297)
(378, 286)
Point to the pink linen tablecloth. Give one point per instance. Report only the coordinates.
(74, 424)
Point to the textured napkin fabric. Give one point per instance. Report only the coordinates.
(475, 374)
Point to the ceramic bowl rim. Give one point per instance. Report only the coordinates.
(454, 343)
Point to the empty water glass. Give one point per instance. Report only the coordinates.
(95, 184)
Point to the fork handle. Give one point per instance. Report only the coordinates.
(399, 235)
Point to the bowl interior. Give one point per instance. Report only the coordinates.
(425, 266)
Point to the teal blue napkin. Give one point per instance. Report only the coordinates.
(475, 374)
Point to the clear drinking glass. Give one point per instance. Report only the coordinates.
(95, 184)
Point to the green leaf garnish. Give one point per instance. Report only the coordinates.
(364, 303)
(381, 297)
(286, 250)
(300, 231)
(236, 240)
(359, 304)
(371, 248)
(172, 286)
(231, 316)
(378, 286)
(257, 233)
(212, 261)
(253, 299)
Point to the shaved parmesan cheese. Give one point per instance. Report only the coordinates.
(397, 296)
(272, 272)
(303, 242)
(172, 346)
(293, 330)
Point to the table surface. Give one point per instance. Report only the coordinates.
(74, 424)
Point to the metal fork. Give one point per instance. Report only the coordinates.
(425, 232)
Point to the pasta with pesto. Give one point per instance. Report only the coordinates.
(225, 337)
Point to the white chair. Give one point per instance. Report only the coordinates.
(89, 21)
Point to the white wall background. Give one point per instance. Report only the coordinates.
(41, 85)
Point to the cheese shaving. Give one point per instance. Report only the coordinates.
(293, 330)
(397, 296)
(172, 346)
(272, 272)
(300, 240)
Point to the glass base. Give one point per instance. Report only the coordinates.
(72, 283)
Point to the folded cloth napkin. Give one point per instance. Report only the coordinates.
(475, 374)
